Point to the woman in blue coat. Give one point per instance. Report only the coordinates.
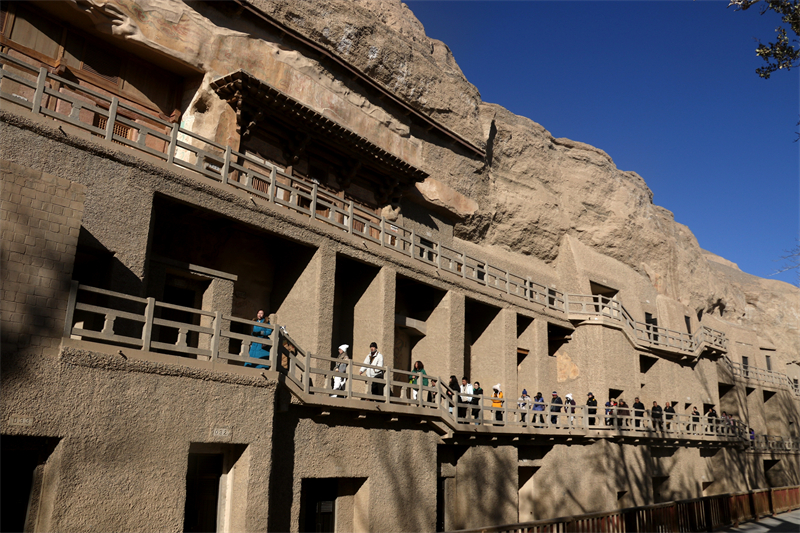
(257, 350)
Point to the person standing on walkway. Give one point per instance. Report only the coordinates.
(476, 400)
(374, 358)
(258, 350)
(592, 408)
(340, 367)
(570, 407)
(656, 413)
(555, 407)
(623, 413)
(611, 411)
(695, 419)
(638, 410)
(669, 413)
(538, 405)
(419, 368)
(452, 389)
(497, 402)
(464, 398)
(522, 403)
(712, 419)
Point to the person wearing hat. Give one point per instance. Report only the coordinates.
(374, 358)
(555, 407)
(571, 407)
(497, 402)
(340, 366)
(592, 404)
(538, 405)
(522, 403)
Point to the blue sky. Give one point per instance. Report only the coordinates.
(667, 88)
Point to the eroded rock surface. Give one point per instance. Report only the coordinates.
(534, 189)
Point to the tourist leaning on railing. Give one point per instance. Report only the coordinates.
(419, 368)
(339, 382)
(257, 350)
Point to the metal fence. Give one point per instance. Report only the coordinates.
(709, 513)
(107, 117)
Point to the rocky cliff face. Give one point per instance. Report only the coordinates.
(533, 189)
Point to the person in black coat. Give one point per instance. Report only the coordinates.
(638, 410)
(555, 407)
(656, 415)
(670, 412)
(592, 404)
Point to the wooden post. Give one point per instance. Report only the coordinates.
(350, 217)
(314, 202)
(73, 300)
(307, 375)
(37, 96)
(147, 330)
(112, 118)
(226, 165)
(383, 231)
(411, 248)
(387, 375)
(273, 180)
(216, 335)
(173, 143)
(350, 379)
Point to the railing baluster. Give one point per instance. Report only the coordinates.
(112, 118)
(147, 329)
(41, 81)
(73, 299)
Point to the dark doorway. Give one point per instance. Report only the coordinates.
(21, 463)
(202, 492)
(318, 505)
(556, 338)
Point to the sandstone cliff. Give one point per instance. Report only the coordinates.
(534, 189)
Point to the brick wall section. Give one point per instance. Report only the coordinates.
(40, 219)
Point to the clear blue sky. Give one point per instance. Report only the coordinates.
(667, 88)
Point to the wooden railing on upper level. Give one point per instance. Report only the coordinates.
(146, 324)
(641, 333)
(106, 117)
(762, 375)
(709, 513)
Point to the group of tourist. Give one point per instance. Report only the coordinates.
(468, 396)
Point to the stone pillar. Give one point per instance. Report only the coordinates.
(373, 317)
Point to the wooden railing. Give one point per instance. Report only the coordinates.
(642, 333)
(709, 513)
(70, 103)
(146, 324)
(762, 375)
